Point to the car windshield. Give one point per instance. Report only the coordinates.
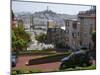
(66, 58)
(80, 52)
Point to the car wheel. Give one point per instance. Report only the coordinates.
(73, 66)
(62, 66)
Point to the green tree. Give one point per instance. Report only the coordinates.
(20, 39)
(20, 23)
(41, 38)
(94, 48)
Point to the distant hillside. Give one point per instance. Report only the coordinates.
(41, 17)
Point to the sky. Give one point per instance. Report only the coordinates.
(22, 6)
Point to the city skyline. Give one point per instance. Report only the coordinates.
(32, 7)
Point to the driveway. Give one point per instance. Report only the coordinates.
(45, 67)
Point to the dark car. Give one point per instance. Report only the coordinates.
(14, 60)
(79, 58)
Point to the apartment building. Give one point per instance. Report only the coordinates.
(87, 26)
(26, 18)
(56, 35)
(72, 28)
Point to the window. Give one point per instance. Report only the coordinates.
(75, 25)
(91, 28)
(80, 42)
(67, 31)
(73, 35)
(67, 23)
(78, 34)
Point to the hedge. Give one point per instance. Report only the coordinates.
(38, 52)
(92, 67)
(48, 59)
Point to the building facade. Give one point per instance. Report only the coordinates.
(87, 26)
(56, 35)
(72, 28)
(26, 19)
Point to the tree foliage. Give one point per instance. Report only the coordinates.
(20, 39)
(94, 39)
(41, 38)
(94, 36)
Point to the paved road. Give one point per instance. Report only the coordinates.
(46, 67)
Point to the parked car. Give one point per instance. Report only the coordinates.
(13, 60)
(79, 58)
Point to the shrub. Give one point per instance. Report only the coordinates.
(47, 59)
(35, 71)
(13, 73)
(25, 71)
(81, 68)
